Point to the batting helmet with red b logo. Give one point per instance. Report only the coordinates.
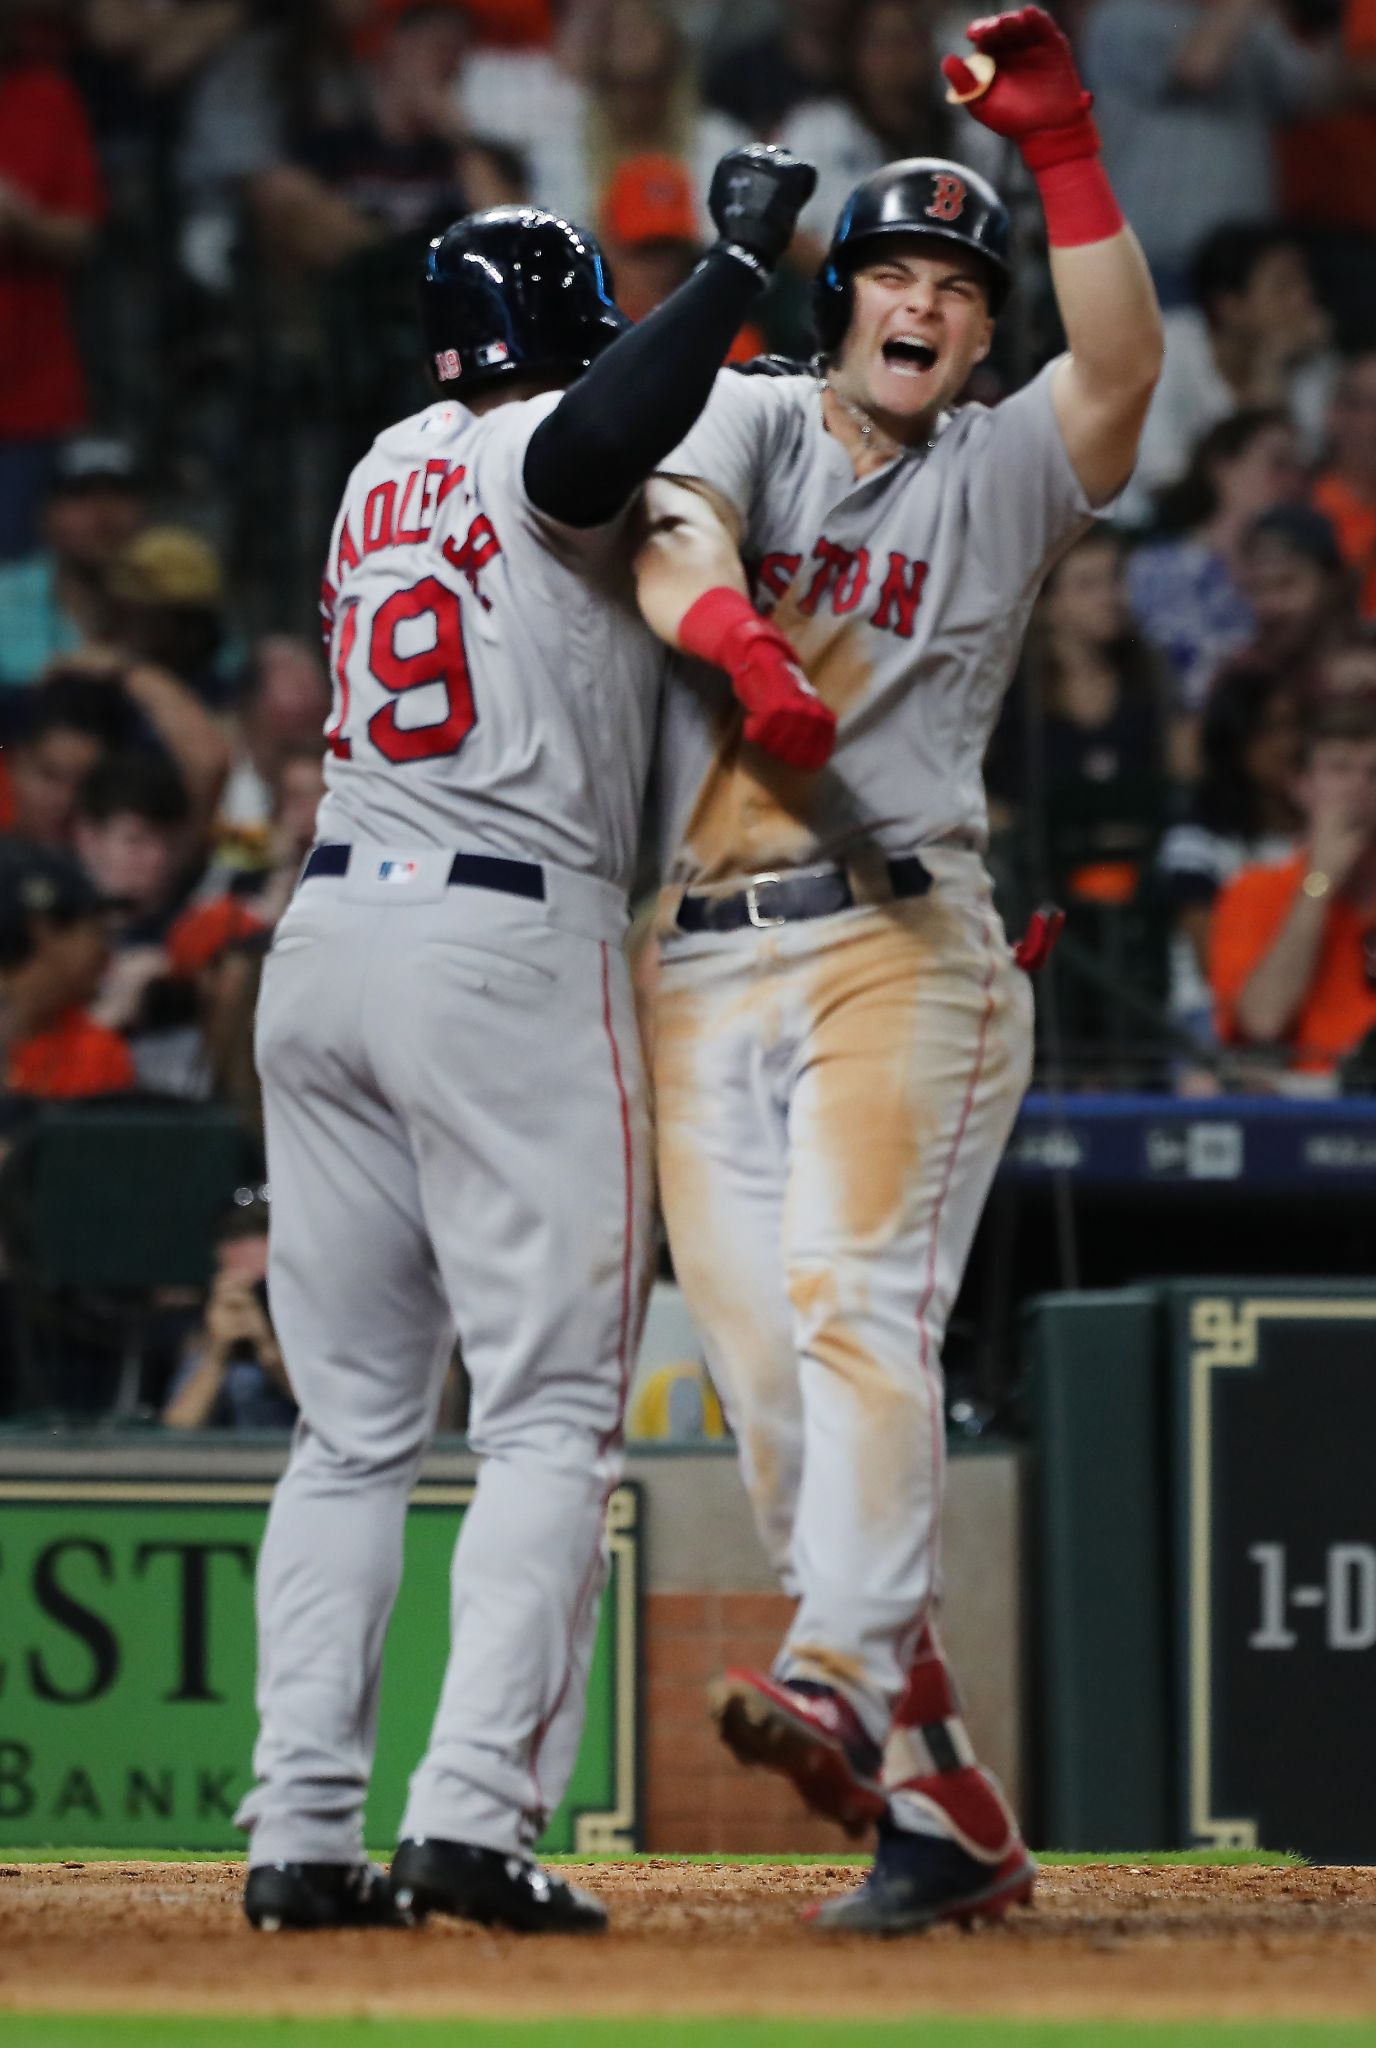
(921, 195)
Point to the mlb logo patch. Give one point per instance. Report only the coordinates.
(397, 870)
(493, 352)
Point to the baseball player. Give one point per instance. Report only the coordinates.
(842, 1036)
(456, 1129)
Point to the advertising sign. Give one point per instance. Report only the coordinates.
(127, 1667)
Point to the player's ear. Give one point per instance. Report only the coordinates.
(986, 340)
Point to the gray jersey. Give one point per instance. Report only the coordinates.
(494, 686)
(906, 595)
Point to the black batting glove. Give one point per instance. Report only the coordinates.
(755, 198)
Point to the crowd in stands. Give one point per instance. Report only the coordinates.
(211, 213)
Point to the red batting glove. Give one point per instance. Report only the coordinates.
(784, 714)
(1036, 97)
(1037, 101)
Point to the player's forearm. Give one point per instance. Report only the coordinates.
(1273, 992)
(687, 551)
(693, 593)
(612, 429)
(1112, 320)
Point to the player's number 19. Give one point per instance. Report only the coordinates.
(443, 660)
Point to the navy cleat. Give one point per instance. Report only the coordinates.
(918, 1881)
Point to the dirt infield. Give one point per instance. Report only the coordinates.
(715, 1938)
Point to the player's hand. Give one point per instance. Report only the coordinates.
(756, 196)
(783, 713)
(1036, 85)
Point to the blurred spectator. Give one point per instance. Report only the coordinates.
(1346, 492)
(332, 154)
(50, 202)
(134, 55)
(215, 947)
(54, 601)
(1184, 588)
(1188, 94)
(255, 897)
(1293, 948)
(889, 107)
(227, 999)
(166, 606)
(231, 1374)
(282, 711)
(514, 24)
(1243, 811)
(638, 98)
(650, 231)
(760, 80)
(1328, 163)
(1255, 336)
(73, 722)
(148, 707)
(131, 838)
(1300, 591)
(1348, 669)
(1085, 738)
(53, 954)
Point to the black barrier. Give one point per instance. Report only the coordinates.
(1205, 1592)
(1275, 1411)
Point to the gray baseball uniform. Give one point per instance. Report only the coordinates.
(456, 1129)
(833, 1094)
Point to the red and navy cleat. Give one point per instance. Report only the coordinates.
(918, 1881)
(808, 1733)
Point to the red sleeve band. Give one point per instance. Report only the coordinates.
(1076, 196)
(716, 624)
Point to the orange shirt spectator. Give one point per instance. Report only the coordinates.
(54, 950)
(1353, 519)
(1339, 1007)
(203, 931)
(1292, 957)
(72, 1056)
(1346, 493)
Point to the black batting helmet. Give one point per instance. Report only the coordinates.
(921, 195)
(515, 292)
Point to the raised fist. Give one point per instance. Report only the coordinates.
(1036, 85)
(756, 196)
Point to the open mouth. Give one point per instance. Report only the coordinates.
(909, 356)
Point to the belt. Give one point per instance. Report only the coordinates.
(466, 871)
(782, 899)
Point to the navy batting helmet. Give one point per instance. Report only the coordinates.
(921, 195)
(515, 292)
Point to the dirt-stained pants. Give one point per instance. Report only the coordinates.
(832, 1098)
